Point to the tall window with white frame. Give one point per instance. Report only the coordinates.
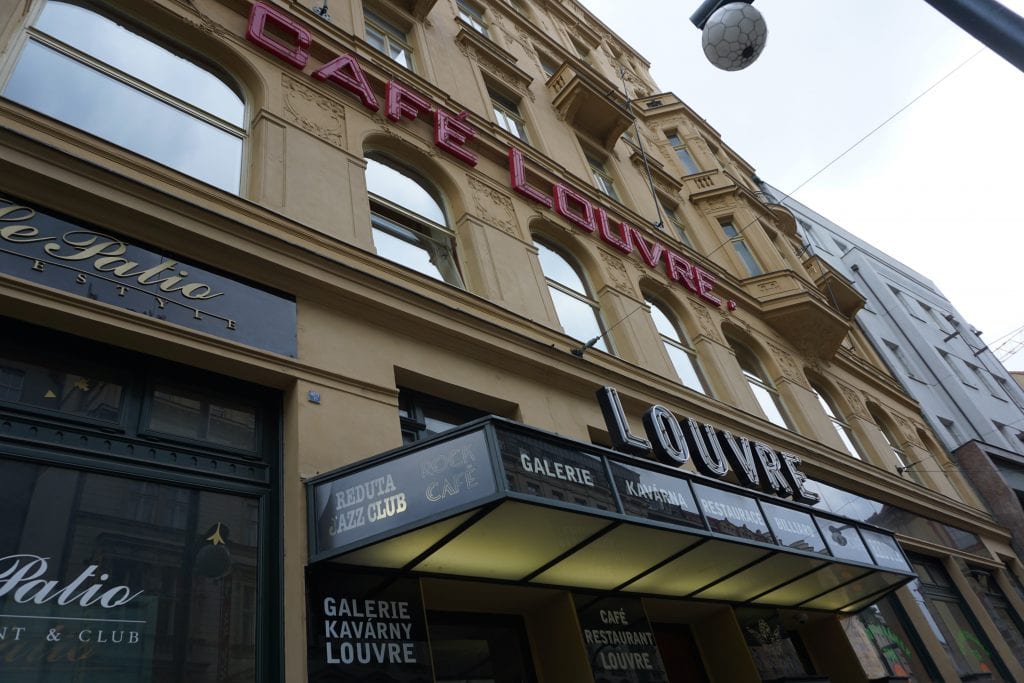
(408, 221)
(764, 391)
(602, 178)
(841, 426)
(903, 464)
(682, 355)
(578, 311)
(472, 14)
(682, 153)
(677, 224)
(507, 114)
(91, 71)
(739, 245)
(388, 37)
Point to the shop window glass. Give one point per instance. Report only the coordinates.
(71, 391)
(94, 73)
(478, 648)
(764, 391)
(165, 592)
(576, 308)
(885, 646)
(682, 355)
(999, 607)
(408, 223)
(952, 622)
(197, 416)
(422, 415)
(775, 645)
(388, 38)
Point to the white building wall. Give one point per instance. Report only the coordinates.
(964, 391)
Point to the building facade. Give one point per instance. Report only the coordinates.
(973, 405)
(395, 341)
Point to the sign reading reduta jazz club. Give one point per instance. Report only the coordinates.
(290, 40)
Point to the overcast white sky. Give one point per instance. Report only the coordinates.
(832, 70)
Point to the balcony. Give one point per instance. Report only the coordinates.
(801, 313)
(836, 288)
(589, 103)
(707, 184)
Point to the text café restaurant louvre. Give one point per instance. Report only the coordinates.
(160, 406)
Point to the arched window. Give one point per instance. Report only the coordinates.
(842, 428)
(577, 310)
(683, 357)
(409, 225)
(92, 72)
(903, 464)
(764, 391)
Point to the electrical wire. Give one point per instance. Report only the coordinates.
(857, 144)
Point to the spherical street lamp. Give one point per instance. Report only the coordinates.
(734, 33)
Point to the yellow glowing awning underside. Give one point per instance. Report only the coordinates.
(508, 530)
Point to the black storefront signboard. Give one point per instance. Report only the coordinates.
(733, 514)
(843, 539)
(655, 496)
(793, 528)
(620, 643)
(98, 265)
(385, 497)
(885, 550)
(365, 627)
(548, 469)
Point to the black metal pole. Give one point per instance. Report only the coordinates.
(997, 27)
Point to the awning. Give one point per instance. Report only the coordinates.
(498, 500)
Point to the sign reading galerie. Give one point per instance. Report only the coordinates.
(289, 40)
(40, 247)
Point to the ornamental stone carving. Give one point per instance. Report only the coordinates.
(314, 112)
(706, 322)
(617, 275)
(786, 363)
(853, 399)
(494, 206)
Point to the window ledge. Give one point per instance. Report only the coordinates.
(492, 58)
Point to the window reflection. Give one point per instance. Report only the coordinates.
(189, 580)
(408, 223)
(196, 416)
(764, 391)
(77, 391)
(576, 308)
(85, 70)
(683, 357)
